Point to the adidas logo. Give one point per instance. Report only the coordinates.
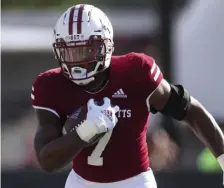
(119, 94)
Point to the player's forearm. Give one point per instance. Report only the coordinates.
(210, 134)
(206, 128)
(60, 152)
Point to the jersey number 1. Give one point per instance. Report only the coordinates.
(95, 158)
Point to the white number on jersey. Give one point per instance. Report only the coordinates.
(95, 158)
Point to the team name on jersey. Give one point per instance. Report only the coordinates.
(124, 113)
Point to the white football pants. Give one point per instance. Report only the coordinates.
(143, 180)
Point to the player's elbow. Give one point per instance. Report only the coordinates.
(46, 165)
(47, 168)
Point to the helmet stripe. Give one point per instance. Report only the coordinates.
(70, 24)
(79, 21)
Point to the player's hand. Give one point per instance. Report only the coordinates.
(99, 120)
(103, 116)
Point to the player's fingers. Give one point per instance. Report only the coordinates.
(116, 108)
(90, 104)
(106, 101)
(116, 120)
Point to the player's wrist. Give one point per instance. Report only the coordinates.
(221, 161)
(87, 130)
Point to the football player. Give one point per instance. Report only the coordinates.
(108, 150)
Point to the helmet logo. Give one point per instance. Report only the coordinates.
(74, 37)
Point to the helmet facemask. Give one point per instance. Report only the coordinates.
(82, 60)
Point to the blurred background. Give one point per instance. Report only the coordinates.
(184, 36)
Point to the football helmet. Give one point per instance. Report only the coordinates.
(83, 43)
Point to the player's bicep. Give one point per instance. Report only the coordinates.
(159, 97)
(49, 128)
(170, 100)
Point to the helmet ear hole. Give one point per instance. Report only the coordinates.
(100, 59)
(111, 50)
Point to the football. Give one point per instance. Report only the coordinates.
(78, 116)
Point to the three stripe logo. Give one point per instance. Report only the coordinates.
(119, 94)
(32, 95)
(155, 71)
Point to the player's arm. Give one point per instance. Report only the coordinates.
(53, 149)
(175, 101)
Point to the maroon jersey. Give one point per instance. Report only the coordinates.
(121, 153)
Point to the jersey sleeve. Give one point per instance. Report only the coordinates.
(152, 76)
(41, 95)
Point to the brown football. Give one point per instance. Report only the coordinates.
(76, 118)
